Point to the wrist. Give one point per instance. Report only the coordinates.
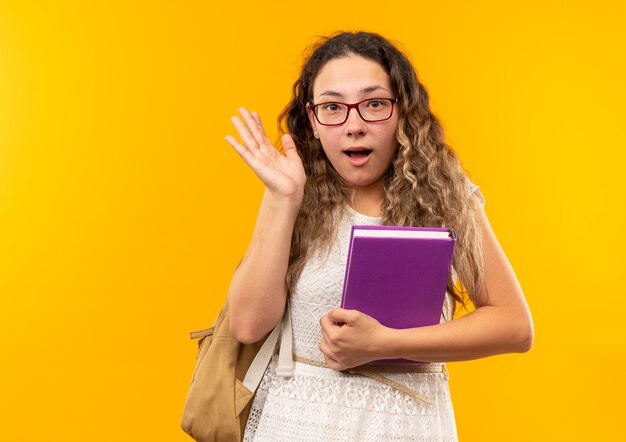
(286, 203)
(386, 347)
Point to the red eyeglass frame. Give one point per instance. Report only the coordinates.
(350, 107)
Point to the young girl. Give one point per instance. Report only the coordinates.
(362, 147)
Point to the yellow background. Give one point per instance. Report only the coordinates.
(123, 212)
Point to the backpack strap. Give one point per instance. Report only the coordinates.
(285, 355)
(285, 358)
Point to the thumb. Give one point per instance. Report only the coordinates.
(289, 147)
(339, 315)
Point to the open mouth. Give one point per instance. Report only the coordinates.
(362, 153)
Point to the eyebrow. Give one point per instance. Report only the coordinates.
(363, 91)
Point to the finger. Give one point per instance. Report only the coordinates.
(256, 127)
(329, 327)
(266, 141)
(325, 321)
(333, 364)
(325, 349)
(249, 158)
(341, 315)
(255, 161)
(244, 133)
(325, 324)
(242, 150)
(257, 131)
(289, 147)
(257, 119)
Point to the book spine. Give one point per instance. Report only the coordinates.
(347, 272)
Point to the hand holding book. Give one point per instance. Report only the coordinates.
(351, 338)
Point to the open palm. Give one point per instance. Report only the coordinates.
(282, 174)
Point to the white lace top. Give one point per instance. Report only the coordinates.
(320, 404)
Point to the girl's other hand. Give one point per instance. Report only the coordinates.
(283, 175)
(351, 338)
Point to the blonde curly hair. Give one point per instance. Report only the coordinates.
(424, 186)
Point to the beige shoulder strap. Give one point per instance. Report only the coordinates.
(285, 357)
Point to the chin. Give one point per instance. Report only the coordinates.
(362, 181)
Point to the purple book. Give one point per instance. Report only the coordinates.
(398, 275)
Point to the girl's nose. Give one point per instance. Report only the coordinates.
(355, 125)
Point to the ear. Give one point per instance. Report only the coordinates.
(312, 119)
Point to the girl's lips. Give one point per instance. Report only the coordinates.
(358, 157)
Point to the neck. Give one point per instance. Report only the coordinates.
(368, 200)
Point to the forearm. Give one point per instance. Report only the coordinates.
(258, 290)
(487, 331)
(501, 323)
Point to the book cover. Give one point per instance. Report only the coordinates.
(398, 275)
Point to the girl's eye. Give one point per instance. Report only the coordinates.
(331, 107)
(375, 104)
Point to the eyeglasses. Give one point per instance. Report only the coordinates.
(370, 110)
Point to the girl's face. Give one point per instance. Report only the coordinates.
(360, 151)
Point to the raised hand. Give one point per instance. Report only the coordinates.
(282, 174)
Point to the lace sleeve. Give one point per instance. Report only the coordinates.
(473, 188)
